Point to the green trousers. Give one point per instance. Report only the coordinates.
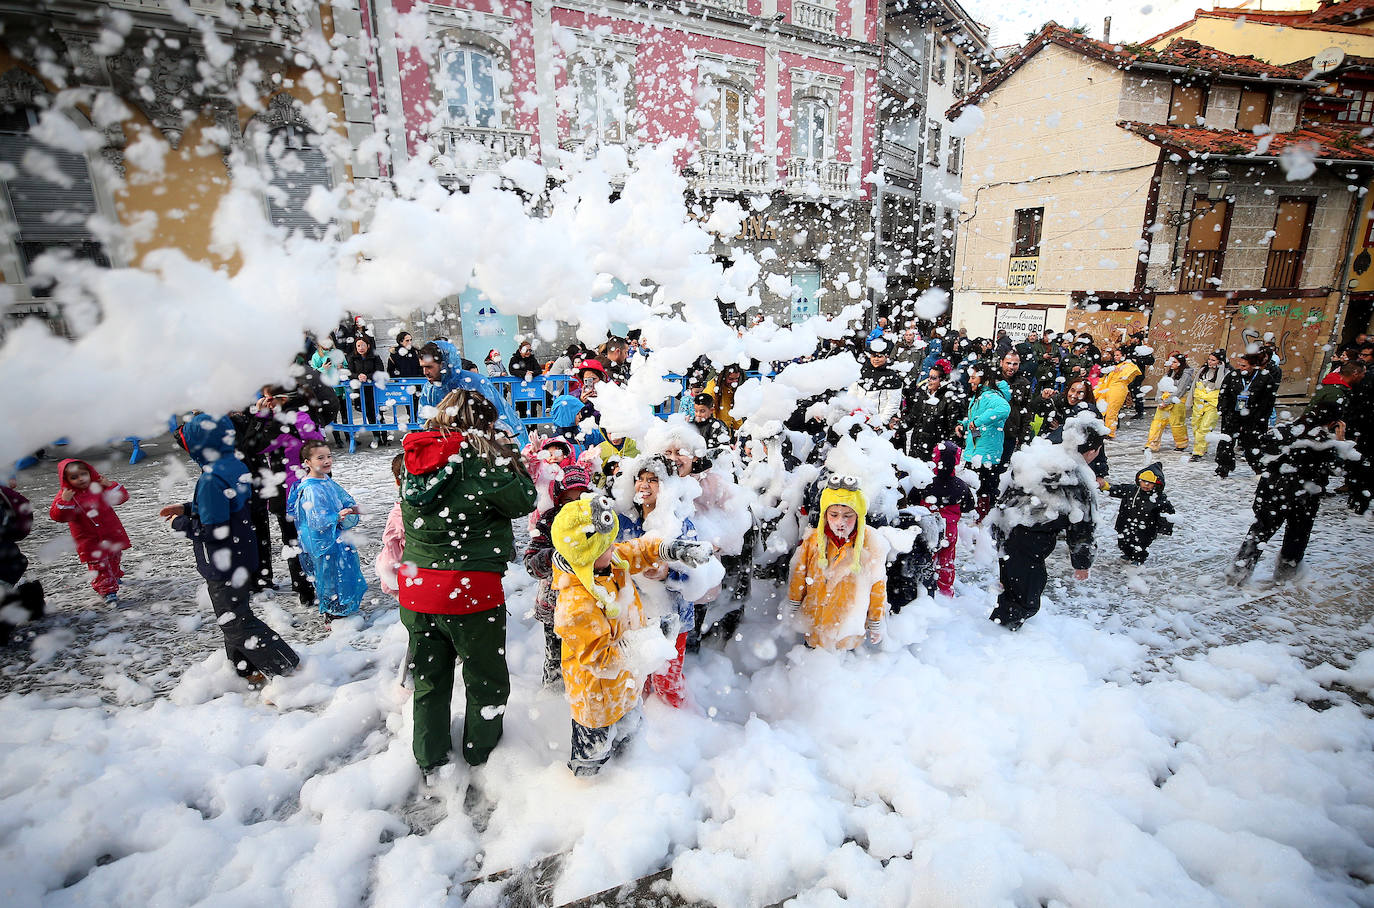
(437, 642)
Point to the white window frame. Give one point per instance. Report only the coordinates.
(716, 140)
(801, 108)
(448, 87)
(600, 125)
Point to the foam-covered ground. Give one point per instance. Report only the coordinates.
(1150, 738)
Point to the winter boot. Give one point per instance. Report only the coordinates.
(1286, 570)
(1244, 563)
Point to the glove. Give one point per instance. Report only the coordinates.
(686, 551)
(544, 611)
(875, 632)
(794, 605)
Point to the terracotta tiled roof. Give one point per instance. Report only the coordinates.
(1335, 143)
(1330, 22)
(1346, 13)
(1183, 53)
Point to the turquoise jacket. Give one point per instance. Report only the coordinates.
(987, 414)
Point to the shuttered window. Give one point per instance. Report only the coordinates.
(298, 166)
(50, 214)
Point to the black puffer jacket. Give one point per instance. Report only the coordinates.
(1298, 460)
(930, 418)
(1247, 398)
(1141, 518)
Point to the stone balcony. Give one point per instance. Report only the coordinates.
(811, 177)
(817, 16)
(734, 6)
(467, 151)
(735, 171)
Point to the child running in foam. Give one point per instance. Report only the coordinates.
(85, 503)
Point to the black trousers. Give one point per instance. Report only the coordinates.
(1245, 436)
(276, 506)
(249, 643)
(366, 400)
(1359, 474)
(1021, 568)
(1299, 518)
(1137, 398)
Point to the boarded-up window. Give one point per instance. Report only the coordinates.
(1202, 260)
(1254, 108)
(1187, 104)
(1028, 222)
(1209, 221)
(1290, 236)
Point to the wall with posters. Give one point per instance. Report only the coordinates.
(1107, 326)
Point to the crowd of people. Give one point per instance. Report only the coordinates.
(645, 547)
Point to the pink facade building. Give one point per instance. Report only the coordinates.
(774, 101)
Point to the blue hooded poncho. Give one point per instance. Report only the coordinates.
(331, 562)
(454, 378)
(218, 519)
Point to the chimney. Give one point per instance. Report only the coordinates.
(1106, 29)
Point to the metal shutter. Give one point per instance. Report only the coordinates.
(295, 172)
(49, 215)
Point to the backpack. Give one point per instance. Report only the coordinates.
(16, 515)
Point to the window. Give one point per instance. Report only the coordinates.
(469, 87)
(1028, 224)
(939, 62)
(1202, 259)
(949, 231)
(602, 99)
(729, 129)
(933, 143)
(956, 154)
(1187, 104)
(960, 76)
(1361, 109)
(47, 216)
(1254, 108)
(1291, 223)
(298, 166)
(810, 119)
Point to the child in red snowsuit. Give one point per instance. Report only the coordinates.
(85, 503)
(950, 497)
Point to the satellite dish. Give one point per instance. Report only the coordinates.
(1328, 60)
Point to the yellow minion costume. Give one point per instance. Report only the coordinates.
(596, 608)
(838, 587)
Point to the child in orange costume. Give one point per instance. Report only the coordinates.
(838, 586)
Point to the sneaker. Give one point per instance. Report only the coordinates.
(256, 680)
(1196, 458)
(112, 599)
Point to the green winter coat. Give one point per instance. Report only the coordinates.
(457, 508)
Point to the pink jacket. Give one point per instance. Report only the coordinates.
(388, 561)
(90, 516)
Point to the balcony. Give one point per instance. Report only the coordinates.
(1282, 270)
(734, 170)
(734, 6)
(810, 177)
(815, 16)
(1201, 268)
(470, 150)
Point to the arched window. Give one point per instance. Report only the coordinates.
(602, 100)
(469, 87)
(729, 126)
(298, 166)
(50, 210)
(810, 127)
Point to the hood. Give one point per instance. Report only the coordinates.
(426, 452)
(946, 457)
(208, 438)
(1336, 378)
(62, 473)
(853, 498)
(1157, 469)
